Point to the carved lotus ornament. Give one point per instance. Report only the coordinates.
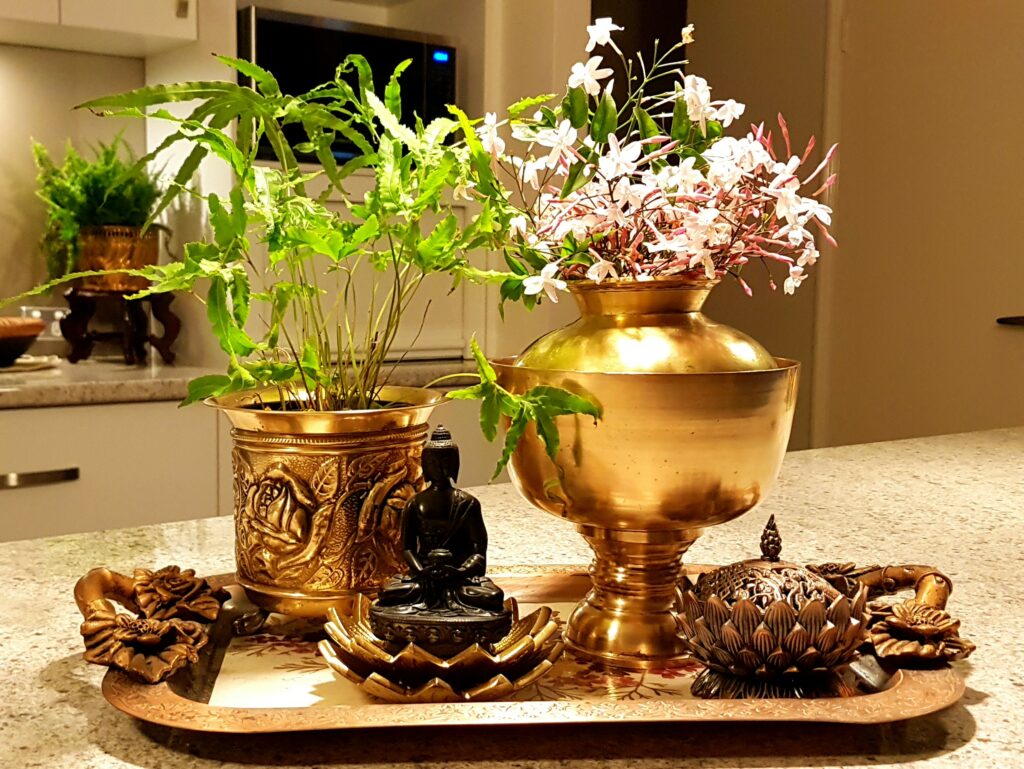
(766, 628)
(172, 593)
(147, 649)
(916, 631)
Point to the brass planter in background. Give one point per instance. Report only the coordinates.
(115, 247)
(319, 496)
(696, 421)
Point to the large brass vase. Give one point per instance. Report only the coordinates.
(696, 418)
(319, 496)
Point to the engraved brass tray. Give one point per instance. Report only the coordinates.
(275, 681)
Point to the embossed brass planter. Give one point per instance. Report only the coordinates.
(679, 448)
(318, 496)
(116, 248)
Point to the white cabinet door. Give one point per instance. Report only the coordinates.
(175, 19)
(137, 463)
(41, 11)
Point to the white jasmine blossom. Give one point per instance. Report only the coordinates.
(600, 32)
(697, 94)
(561, 140)
(588, 76)
(488, 135)
(728, 111)
(462, 190)
(796, 277)
(518, 224)
(546, 282)
(600, 270)
(617, 160)
(642, 206)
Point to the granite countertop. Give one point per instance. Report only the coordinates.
(955, 502)
(97, 381)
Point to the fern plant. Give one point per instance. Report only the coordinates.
(111, 189)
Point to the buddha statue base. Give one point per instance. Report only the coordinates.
(442, 632)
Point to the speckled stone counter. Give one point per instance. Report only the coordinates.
(92, 382)
(956, 502)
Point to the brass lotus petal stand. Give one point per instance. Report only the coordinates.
(415, 675)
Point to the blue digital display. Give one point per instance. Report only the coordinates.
(442, 56)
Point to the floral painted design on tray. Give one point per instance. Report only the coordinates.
(287, 648)
(574, 678)
(293, 640)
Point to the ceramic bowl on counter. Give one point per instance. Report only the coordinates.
(16, 336)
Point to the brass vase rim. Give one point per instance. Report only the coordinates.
(127, 229)
(422, 396)
(783, 364)
(420, 401)
(667, 283)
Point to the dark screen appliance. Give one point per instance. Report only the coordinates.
(305, 51)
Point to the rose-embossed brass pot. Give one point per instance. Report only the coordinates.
(319, 496)
(696, 418)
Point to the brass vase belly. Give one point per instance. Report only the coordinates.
(319, 496)
(696, 418)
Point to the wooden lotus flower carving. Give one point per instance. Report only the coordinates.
(766, 653)
(767, 628)
(159, 637)
(172, 593)
(916, 631)
(147, 649)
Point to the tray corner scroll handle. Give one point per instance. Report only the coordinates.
(163, 628)
(914, 630)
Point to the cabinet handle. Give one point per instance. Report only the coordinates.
(40, 478)
(1012, 320)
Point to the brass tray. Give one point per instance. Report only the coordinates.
(276, 682)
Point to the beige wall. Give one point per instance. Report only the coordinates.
(928, 114)
(770, 55)
(531, 46)
(38, 89)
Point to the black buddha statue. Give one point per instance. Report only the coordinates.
(445, 603)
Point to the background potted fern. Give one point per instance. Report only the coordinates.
(95, 213)
(326, 452)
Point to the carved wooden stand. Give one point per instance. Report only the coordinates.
(134, 333)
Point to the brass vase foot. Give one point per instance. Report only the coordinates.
(629, 619)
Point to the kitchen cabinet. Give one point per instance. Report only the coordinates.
(136, 463)
(166, 19)
(136, 28)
